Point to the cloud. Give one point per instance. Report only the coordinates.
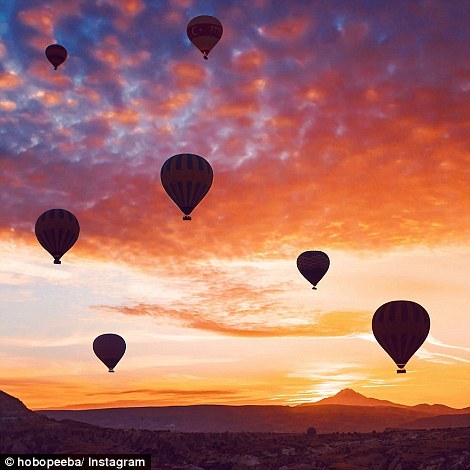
(344, 323)
(9, 80)
(174, 392)
(187, 74)
(429, 352)
(435, 342)
(43, 18)
(440, 358)
(286, 29)
(327, 131)
(45, 343)
(129, 7)
(237, 309)
(7, 105)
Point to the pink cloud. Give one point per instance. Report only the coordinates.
(43, 71)
(44, 17)
(188, 74)
(249, 60)
(7, 105)
(336, 140)
(9, 80)
(287, 29)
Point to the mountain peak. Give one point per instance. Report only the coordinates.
(348, 392)
(348, 396)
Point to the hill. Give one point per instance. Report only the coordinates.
(15, 415)
(442, 421)
(441, 409)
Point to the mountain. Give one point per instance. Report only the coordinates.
(347, 411)
(352, 398)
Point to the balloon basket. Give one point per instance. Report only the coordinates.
(111, 370)
(401, 371)
(186, 217)
(57, 261)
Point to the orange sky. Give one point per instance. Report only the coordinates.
(329, 127)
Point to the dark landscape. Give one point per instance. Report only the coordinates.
(25, 431)
(348, 411)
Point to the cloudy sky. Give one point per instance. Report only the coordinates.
(330, 125)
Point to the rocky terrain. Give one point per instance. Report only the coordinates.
(22, 431)
(395, 449)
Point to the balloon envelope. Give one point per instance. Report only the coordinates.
(313, 265)
(56, 54)
(186, 178)
(204, 32)
(109, 348)
(400, 327)
(57, 231)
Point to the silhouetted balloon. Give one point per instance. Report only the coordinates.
(311, 431)
(56, 54)
(109, 348)
(313, 265)
(57, 231)
(400, 327)
(186, 178)
(204, 32)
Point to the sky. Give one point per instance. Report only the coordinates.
(330, 125)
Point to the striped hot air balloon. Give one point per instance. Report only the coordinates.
(109, 348)
(400, 327)
(204, 32)
(313, 265)
(57, 231)
(186, 178)
(56, 54)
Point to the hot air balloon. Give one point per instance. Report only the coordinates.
(186, 178)
(56, 54)
(204, 32)
(400, 327)
(57, 231)
(109, 348)
(313, 265)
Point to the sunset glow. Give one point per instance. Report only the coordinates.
(334, 126)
